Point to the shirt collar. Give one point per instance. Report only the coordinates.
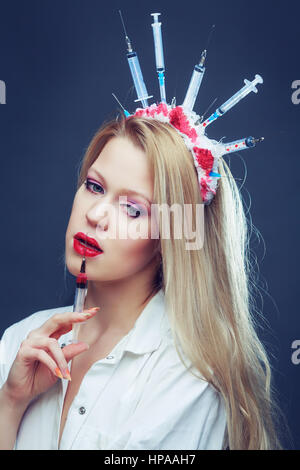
(150, 327)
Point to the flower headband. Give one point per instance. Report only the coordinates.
(206, 152)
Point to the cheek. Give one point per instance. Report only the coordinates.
(141, 248)
(136, 252)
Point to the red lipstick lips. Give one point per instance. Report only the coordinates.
(86, 245)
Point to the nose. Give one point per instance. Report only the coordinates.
(97, 216)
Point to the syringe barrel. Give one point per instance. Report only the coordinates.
(80, 295)
(240, 144)
(159, 53)
(239, 95)
(137, 77)
(193, 88)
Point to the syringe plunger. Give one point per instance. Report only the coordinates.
(247, 88)
(159, 53)
(159, 56)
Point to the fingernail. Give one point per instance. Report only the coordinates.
(58, 373)
(90, 311)
(86, 315)
(67, 374)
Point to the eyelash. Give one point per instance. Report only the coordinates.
(88, 183)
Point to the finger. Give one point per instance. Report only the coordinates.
(51, 345)
(65, 328)
(31, 354)
(62, 322)
(72, 350)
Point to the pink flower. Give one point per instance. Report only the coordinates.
(139, 112)
(176, 116)
(179, 120)
(204, 158)
(162, 108)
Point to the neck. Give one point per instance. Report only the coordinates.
(121, 302)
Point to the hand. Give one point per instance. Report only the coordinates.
(40, 359)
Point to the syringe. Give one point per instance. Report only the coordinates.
(127, 113)
(80, 294)
(247, 88)
(193, 89)
(159, 56)
(136, 72)
(241, 144)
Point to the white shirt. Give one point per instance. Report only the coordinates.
(139, 397)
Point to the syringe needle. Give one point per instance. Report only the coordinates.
(202, 117)
(123, 22)
(85, 250)
(209, 36)
(209, 107)
(117, 100)
(125, 111)
(129, 47)
(82, 269)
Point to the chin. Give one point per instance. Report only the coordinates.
(73, 268)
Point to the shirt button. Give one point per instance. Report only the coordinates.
(110, 357)
(82, 410)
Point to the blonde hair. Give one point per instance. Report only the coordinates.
(209, 292)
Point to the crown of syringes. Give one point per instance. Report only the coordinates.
(186, 112)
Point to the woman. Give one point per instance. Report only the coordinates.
(171, 360)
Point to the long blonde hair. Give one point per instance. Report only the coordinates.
(209, 292)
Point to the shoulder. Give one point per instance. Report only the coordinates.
(172, 375)
(35, 320)
(171, 358)
(178, 408)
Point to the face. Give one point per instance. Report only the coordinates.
(113, 207)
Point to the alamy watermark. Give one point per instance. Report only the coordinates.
(176, 223)
(296, 94)
(2, 92)
(296, 353)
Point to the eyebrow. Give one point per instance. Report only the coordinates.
(129, 191)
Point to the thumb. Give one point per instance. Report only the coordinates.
(72, 350)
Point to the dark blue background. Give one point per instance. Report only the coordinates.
(62, 59)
